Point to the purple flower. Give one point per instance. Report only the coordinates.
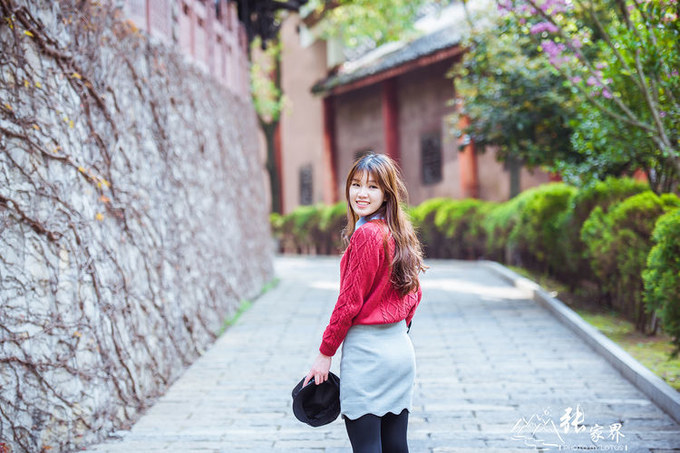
(526, 8)
(576, 43)
(576, 79)
(505, 5)
(606, 93)
(554, 6)
(662, 114)
(552, 48)
(543, 26)
(592, 81)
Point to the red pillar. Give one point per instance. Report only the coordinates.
(555, 177)
(469, 176)
(390, 114)
(640, 175)
(329, 151)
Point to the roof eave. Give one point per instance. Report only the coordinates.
(326, 87)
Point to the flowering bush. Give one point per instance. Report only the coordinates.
(621, 58)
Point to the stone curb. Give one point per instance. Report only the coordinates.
(651, 385)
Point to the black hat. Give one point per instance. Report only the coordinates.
(317, 405)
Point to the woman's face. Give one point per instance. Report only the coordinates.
(365, 195)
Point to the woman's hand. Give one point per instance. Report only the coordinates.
(320, 369)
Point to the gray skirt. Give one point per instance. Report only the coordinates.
(377, 370)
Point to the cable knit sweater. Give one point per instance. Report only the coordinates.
(366, 294)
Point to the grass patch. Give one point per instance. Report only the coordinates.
(230, 321)
(244, 306)
(654, 352)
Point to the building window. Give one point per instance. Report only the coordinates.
(306, 185)
(431, 158)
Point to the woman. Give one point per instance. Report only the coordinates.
(379, 293)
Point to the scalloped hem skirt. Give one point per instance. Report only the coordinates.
(377, 370)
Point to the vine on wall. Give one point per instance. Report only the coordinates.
(130, 194)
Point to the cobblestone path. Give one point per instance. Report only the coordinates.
(496, 372)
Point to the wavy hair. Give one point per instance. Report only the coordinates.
(407, 262)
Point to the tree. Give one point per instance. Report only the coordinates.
(513, 98)
(621, 58)
(265, 78)
(357, 22)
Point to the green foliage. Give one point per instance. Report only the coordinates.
(662, 276)
(621, 61)
(569, 247)
(332, 221)
(423, 220)
(268, 98)
(310, 229)
(537, 230)
(453, 221)
(498, 224)
(357, 21)
(512, 96)
(617, 244)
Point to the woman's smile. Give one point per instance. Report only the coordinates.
(365, 195)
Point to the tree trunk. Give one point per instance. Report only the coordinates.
(269, 130)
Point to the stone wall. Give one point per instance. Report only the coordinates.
(132, 220)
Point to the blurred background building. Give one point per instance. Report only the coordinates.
(395, 99)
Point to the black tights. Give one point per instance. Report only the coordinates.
(373, 434)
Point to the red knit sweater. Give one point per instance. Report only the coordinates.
(366, 294)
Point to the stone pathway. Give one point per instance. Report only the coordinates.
(496, 372)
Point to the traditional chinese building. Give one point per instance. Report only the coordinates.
(397, 100)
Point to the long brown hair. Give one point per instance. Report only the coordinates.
(408, 254)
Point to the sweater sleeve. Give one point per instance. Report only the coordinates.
(418, 296)
(365, 251)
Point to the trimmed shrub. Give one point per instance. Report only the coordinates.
(454, 220)
(303, 225)
(536, 232)
(573, 266)
(332, 221)
(475, 235)
(498, 223)
(662, 276)
(423, 218)
(617, 244)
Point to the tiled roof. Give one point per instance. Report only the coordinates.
(403, 53)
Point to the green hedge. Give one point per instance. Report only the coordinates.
(662, 276)
(535, 235)
(599, 235)
(310, 229)
(575, 266)
(617, 245)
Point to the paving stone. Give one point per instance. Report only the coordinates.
(492, 365)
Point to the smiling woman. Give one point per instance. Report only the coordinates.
(379, 293)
